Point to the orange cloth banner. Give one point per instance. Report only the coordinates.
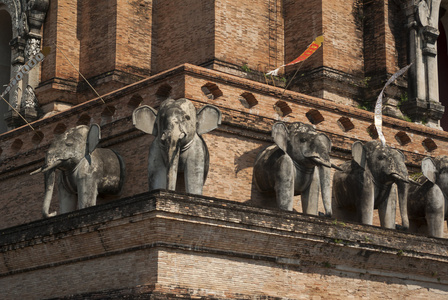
(307, 53)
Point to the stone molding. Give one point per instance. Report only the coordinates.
(175, 223)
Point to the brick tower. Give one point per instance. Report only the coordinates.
(106, 58)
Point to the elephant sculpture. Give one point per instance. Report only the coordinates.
(429, 201)
(297, 164)
(372, 180)
(85, 170)
(178, 146)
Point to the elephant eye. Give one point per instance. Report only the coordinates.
(187, 117)
(381, 157)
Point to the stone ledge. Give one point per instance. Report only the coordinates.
(234, 81)
(207, 210)
(162, 224)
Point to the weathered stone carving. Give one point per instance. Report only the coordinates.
(32, 47)
(85, 171)
(298, 164)
(370, 181)
(423, 103)
(429, 201)
(178, 145)
(30, 99)
(27, 18)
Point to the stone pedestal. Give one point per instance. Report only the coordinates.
(426, 112)
(13, 120)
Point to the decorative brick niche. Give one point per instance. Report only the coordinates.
(314, 116)
(135, 101)
(59, 129)
(164, 91)
(282, 108)
(37, 137)
(371, 130)
(402, 138)
(429, 144)
(106, 115)
(83, 120)
(345, 124)
(248, 100)
(16, 145)
(109, 111)
(211, 90)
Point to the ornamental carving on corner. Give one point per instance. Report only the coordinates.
(27, 17)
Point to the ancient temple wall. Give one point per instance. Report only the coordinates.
(303, 23)
(233, 146)
(249, 34)
(59, 78)
(364, 44)
(182, 32)
(97, 32)
(134, 37)
(342, 25)
(171, 245)
(109, 43)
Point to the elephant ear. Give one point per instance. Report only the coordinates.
(93, 138)
(144, 119)
(359, 154)
(208, 118)
(398, 155)
(280, 133)
(429, 169)
(325, 140)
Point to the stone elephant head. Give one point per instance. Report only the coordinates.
(369, 181)
(85, 170)
(298, 164)
(178, 146)
(429, 201)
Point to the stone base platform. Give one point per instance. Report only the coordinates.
(164, 245)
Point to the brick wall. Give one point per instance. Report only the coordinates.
(183, 32)
(134, 36)
(250, 33)
(117, 43)
(233, 146)
(58, 77)
(109, 42)
(175, 246)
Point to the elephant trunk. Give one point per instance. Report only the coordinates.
(49, 170)
(402, 190)
(325, 183)
(174, 137)
(49, 185)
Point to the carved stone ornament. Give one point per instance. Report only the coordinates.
(36, 11)
(423, 13)
(32, 47)
(27, 17)
(422, 23)
(29, 99)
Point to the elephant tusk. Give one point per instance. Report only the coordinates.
(336, 167)
(319, 161)
(414, 182)
(46, 168)
(37, 171)
(399, 178)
